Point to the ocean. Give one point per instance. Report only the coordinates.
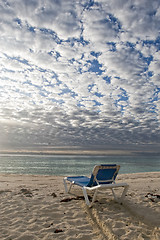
(64, 165)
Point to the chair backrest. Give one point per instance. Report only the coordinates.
(103, 174)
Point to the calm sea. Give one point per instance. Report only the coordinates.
(74, 165)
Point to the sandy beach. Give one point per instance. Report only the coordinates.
(37, 207)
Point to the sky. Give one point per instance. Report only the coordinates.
(80, 73)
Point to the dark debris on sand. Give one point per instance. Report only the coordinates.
(26, 192)
(74, 198)
(58, 230)
(153, 197)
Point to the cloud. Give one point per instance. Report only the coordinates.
(79, 73)
(98, 26)
(59, 16)
(140, 18)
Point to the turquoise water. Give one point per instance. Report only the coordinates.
(74, 165)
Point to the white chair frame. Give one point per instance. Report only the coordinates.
(98, 187)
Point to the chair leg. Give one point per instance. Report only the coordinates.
(86, 196)
(94, 196)
(65, 185)
(124, 193)
(115, 197)
(71, 184)
(122, 196)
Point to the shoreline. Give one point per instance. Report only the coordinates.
(80, 152)
(63, 175)
(37, 207)
(128, 175)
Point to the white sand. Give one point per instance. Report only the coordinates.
(32, 207)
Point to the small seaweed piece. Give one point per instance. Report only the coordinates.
(74, 198)
(54, 195)
(58, 230)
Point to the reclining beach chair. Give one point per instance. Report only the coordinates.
(103, 176)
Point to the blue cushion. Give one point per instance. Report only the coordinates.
(79, 180)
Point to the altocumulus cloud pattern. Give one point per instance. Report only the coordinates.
(79, 72)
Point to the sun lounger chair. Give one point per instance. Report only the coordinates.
(103, 176)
